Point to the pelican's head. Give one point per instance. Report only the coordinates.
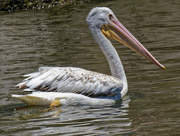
(103, 18)
(99, 16)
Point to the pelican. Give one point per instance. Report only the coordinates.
(76, 86)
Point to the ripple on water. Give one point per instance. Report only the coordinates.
(60, 37)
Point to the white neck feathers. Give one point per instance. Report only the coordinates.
(109, 51)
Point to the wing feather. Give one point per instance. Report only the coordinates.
(74, 80)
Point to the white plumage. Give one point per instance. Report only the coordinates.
(73, 86)
(46, 98)
(71, 80)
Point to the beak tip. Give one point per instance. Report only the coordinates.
(163, 67)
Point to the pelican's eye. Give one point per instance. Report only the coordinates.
(110, 16)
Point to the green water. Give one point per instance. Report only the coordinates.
(60, 37)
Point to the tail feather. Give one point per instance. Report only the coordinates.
(35, 74)
(22, 85)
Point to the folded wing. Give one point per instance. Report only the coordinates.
(72, 80)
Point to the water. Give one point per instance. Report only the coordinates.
(60, 37)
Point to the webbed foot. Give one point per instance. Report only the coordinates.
(55, 103)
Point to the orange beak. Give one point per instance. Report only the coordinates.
(119, 33)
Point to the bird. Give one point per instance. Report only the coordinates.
(77, 86)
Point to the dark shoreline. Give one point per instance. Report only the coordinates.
(9, 6)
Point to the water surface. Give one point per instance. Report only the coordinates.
(60, 37)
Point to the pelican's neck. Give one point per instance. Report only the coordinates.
(109, 51)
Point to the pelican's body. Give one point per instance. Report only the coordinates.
(67, 83)
(47, 98)
(74, 80)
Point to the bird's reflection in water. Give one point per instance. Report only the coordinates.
(23, 112)
(96, 118)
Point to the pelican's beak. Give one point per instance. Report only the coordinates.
(119, 33)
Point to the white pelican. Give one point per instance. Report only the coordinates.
(71, 86)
